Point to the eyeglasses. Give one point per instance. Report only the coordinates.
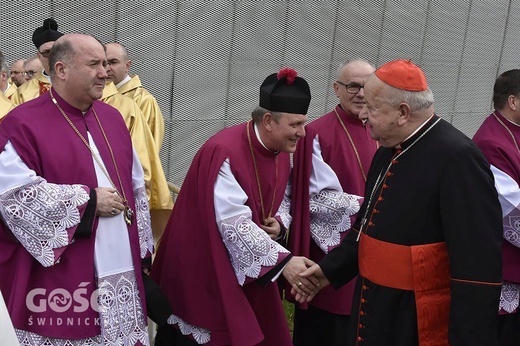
(45, 53)
(30, 73)
(352, 88)
(16, 72)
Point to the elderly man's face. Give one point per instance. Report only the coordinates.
(382, 117)
(352, 76)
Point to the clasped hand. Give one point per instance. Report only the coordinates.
(306, 278)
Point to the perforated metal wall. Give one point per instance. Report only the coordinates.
(205, 60)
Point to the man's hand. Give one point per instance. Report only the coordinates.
(271, 227)
(108, 202)
(307, 286)
(315, 274)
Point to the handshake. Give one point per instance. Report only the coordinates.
(305, 277)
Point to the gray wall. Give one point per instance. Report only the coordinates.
(205, 60)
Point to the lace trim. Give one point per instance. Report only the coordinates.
(509, 297)
(120, 310)
(200, 335)
(284, 212)
(144, 225)
(248, 246)
(512, 227)
(330, 216)
(30, 339)
(39, 215)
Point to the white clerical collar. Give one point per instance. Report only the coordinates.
(398, 146)
(260, 140)
(7, 88)
(46, 76)
(125, 80)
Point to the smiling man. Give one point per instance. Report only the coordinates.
(219, 258)
(426, 241)
(329, 174)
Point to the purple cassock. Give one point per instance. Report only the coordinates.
(213, 272)
(313, 234)
(49, 229)
(498, 139)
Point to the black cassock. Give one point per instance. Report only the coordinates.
(439, 189)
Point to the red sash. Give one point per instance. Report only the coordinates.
(423, 269)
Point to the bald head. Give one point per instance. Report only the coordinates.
(78, 69)
(118, 61)
(350, 79)
(16, 72)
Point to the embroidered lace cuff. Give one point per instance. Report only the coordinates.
(249, 247)
(144, 225)
(330, 213)
(40, 215)
(509, 297)
(200, 335)
(512, 227)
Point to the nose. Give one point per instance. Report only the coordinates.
(301, 132)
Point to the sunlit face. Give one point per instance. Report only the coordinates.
(382, 117)
(87, 74)
(285, 132)
(118, 64)
(352, 74)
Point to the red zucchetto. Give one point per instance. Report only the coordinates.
(402, 74)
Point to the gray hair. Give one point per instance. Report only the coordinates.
(417, 100)
(347, 62)
(259, 112)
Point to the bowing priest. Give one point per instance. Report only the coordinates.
(219, 257)
(498, 138)
(426, 241)
(43, 39)
(74, 223)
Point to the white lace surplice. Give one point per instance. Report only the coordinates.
(25, 196)
(509, 197)
(249, 247)
(330, 207)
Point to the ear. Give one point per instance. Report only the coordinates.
(128, 64)
(60, 70)
(404, 113)
(336, 89)
(267, 121)
(512, 102)
(3, 75)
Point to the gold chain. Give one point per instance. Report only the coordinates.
(353, 145)
(508, 130)
(128, 214)
(264, 219)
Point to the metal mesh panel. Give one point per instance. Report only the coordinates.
(205, 60)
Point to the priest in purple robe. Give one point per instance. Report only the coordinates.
(219, 257)
(74, 223)
(329, 175)
(426, 241)
(498, 138)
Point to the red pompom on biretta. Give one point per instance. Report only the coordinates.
(288, 73)
(285, 92)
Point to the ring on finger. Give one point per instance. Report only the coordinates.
(299, 284)
(114, 211)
